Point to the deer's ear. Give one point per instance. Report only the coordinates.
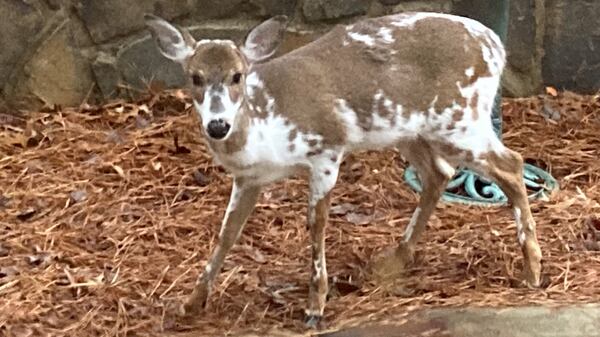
(173, 43)
(262, 42)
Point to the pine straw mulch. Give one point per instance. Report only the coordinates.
(108, 213)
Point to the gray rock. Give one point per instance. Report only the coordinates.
(56, 73)
(572, 39)
(333, 9)
(107, 76)
(114, 18)
(211, 9)
(20, 23)
(566, 321)
(442, 6)
(524, 49)
(268, 8)
(521, 34)
(390, 2)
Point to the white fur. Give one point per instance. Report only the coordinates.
(208, 268)
(366, 39)
(383, 135)
(411, 225)
(234, 199)
(386, 35)
(322, 183)
(444, 167)
(228, 114)
(470, 72)
(253, 83)
(383, 36)
(520, 232)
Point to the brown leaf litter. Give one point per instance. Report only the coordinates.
(108, 213)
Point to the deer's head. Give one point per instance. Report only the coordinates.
(217, 69)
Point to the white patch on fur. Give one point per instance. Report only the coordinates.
(383, 134)
(444, 167)
(479, 135)
(520, 232)
(386, 35)
(320, 183)
(234, 199)
(470, 72)
(253, 83)
(388, 104)
(310, 312)
(208, 268)
(353, 131)
(366, 39)
(266, 156)
(383, 36)
(320, 270)
(411, 225)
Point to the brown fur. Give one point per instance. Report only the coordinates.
(318, 285)
(422, 74)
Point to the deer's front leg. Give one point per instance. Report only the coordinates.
(323, 178)
(241, 203)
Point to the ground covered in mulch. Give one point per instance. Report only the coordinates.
(108, 213)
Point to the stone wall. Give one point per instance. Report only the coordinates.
(70, 51)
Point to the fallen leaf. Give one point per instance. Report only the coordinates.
(3, 250)
(455, 251)
(114, 137)
(4, 201)
(551, 91)
(201, 178)
(78, 196)
(255, 254)
(156, 166)
(342, 209)
(26, 214)
(40, 259)
(6, 273)
(119, 170)
(141, 122)
(359, 218)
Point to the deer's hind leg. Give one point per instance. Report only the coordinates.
(505, 168)
(434, 172)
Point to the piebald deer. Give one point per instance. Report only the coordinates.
(422, 82)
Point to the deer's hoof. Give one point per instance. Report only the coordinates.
(195, 303)
(312, 321)
(191, 308)
(390, 263)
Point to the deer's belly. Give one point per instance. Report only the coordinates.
(265, 173)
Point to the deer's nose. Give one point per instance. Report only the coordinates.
(217, 128)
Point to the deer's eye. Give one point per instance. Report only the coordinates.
(197, 80)
(237, 77)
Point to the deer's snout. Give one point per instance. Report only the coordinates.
(218, 128)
